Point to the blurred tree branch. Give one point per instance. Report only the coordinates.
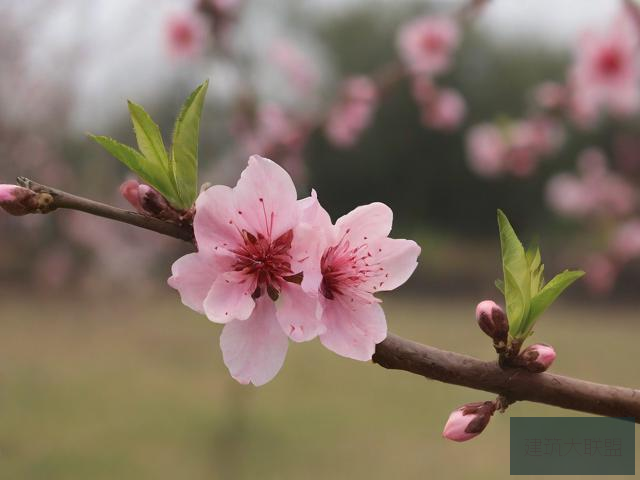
(397, 353)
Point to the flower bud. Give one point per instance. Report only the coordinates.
(17, 200)
(492, 321)
(536, 358)
(129, 190)
(155, 204)
(468, 421)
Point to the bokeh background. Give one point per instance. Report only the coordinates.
(104, 374)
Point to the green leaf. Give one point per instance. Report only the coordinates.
(536, 268)
(152, 147)
(184, 151)
(499, 285)
(517, 302)
(549, 294)
(137, 163)
(517, 275)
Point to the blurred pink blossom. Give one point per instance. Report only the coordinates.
(550, 95)
(445, 111)
(186, 34)
(298, 68)
(486, 150)
(594, 191)
(426, 44)
(625, 244)
(601, 274)
(353, 112)
(606, 72)
(515, 147)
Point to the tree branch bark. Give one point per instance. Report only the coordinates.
(66, 200)
(397, 353)
(514, 384)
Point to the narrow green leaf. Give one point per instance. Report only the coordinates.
(150, 144)
(549, 294)
(517, 275)
(138, 164)
(184, 150)
(536, 267)
(499, 285)
(517, 302)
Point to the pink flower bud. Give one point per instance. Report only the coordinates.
(468, 421)
(17, 200)
(536, 358)
(492, 321)
(129, 190)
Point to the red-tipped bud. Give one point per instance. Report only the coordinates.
(536, 358)
(18, 200)
(129, 190)
(468, 421)
(492, 321)
(155, 204)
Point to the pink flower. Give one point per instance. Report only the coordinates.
(550, 95)
(446, 111)
(353, 112)
(247, 271)
(626, 241)
(606, 71)
(426, 44)
(486, 150)
(356, 260)
(186, 34)
(295, 64)
(536, 358)
(596, 191)
(468, 421)
(601, 274)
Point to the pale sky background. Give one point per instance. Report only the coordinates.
(123, 53)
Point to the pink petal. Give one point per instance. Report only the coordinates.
(267, 197)
(353, 331)
(310, 240)
(229, 298)
(254, 350)
(398, 258)
(216, 217)
(366, 223)
(299, 314)
(193, 275)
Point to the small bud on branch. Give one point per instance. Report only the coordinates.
(536, 358)
(468, 421)
(493, 321)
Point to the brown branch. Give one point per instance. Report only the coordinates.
(397, 353)
(512, 383)
(60, 199)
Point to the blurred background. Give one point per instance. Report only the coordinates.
(444, 110)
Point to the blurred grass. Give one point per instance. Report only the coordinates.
(110, 389)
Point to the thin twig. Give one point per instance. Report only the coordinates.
(68, 201)
(397, 353)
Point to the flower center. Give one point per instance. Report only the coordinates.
(610, 62)
(432, 43)
(347, 272)
(268, 262)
